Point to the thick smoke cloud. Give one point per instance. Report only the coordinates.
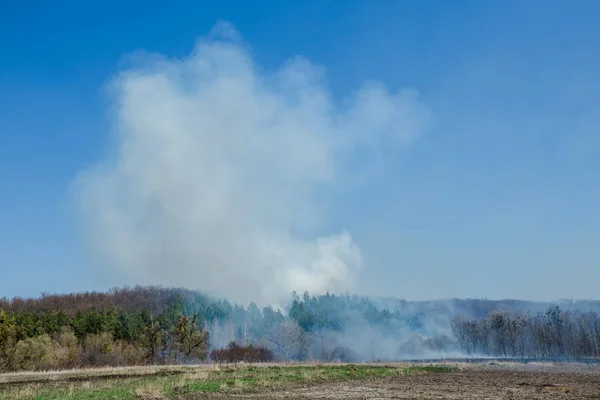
(217, 165)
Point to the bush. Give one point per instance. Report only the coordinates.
(133, 354)
(101, 350)
(235, 353)
(66, 349)
(34, 353)
(342, 354)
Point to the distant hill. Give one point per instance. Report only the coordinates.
(156, 299)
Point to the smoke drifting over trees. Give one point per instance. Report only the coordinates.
(214, 182)
(555, 333)
(213, 177)
(147, 325)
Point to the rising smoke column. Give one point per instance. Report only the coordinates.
(215, 168)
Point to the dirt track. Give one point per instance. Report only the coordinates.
(472, 383)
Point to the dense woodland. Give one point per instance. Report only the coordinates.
(154, 325)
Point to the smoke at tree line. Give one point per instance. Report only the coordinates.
(153, 325)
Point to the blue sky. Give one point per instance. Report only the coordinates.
(499, 198)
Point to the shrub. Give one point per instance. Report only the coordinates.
(66, 351)
(342, 354)
(133, 354)
(101, 350)
(235, 353)
(34, 353)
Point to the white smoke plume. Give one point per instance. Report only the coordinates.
(216, 164)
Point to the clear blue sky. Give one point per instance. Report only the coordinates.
(500, 198)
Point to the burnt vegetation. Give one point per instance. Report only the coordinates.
(154, 325)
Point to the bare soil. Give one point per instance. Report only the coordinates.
(470, 383)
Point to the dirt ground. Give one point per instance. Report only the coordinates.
(490, 380)
(471, 383)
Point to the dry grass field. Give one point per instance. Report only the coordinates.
(313, 381)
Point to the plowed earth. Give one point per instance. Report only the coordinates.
(471, 383)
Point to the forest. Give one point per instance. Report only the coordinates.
(156, 325)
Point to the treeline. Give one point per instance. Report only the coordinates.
(141, 325)
(555, 333)
(55, 341)
(154, 325)
(154, 299)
